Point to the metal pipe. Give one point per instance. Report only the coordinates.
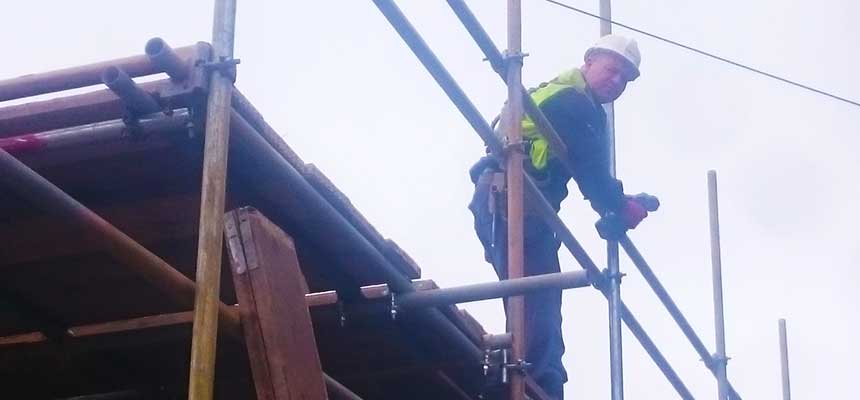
(540, 204)
(326, 225)
(101, 132)
(514, 175)
(439, 73)
(212, 202)
(535, 198)
(783, 358)
(616, 360)
(639, 332)
(337, 391)
(495, 58)
(81, 76)
(136, 99)
(493, 290)
(86, 108)
(165, 59)
(673, 309)
(33, 187)
(497, 341)
(717, 273)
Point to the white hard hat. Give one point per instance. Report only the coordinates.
(624, 47)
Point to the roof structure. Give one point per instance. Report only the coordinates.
(81, 315)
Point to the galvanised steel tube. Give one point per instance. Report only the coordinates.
(495, 58)
(493, 290)
(717, 272)
(673, 309)
(616, 361)
(652, 350)
(783, 360)
(554, 221)
(439, 73)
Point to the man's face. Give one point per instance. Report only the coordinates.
(607, 74)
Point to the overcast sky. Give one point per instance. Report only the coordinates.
(335, 79)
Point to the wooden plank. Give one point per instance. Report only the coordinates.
(271, 292)
(247, 311)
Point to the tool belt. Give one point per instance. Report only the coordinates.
(489, 178)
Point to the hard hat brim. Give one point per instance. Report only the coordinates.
(630, 65)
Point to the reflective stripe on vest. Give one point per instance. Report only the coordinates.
(539, 147)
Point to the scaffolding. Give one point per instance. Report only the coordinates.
(199, 93)
(508, 67)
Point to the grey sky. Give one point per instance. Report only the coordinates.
(339, 84)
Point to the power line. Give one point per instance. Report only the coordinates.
(710, 55)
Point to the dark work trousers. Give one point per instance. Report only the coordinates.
(544, 343)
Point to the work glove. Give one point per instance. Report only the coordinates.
(613, 226)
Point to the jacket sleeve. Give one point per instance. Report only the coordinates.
(571, 113)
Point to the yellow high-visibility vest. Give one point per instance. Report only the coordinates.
(539, 147)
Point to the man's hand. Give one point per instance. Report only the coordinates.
(634, 212)
(614, 225)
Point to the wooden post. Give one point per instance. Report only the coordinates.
(209, 247)
(271, 291)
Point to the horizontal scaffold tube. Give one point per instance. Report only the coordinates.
(166, 59)
(81, 76)
(493, 290)
(136, 99)
(100, 132)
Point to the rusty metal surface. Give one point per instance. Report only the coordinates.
(136, 100)
(164, 58)
(82, 109)
(81, 76)
(31, 186)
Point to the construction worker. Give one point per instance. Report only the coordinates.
(572, 104)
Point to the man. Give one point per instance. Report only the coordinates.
(572, 103)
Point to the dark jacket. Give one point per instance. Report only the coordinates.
(581, 124)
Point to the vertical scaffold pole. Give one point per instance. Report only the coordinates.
(616, 360)
(209, 246)
(783, 358)
(516, 250)
(717, 269)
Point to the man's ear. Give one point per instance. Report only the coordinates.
(587, 65)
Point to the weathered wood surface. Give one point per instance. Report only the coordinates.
(275, 317)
